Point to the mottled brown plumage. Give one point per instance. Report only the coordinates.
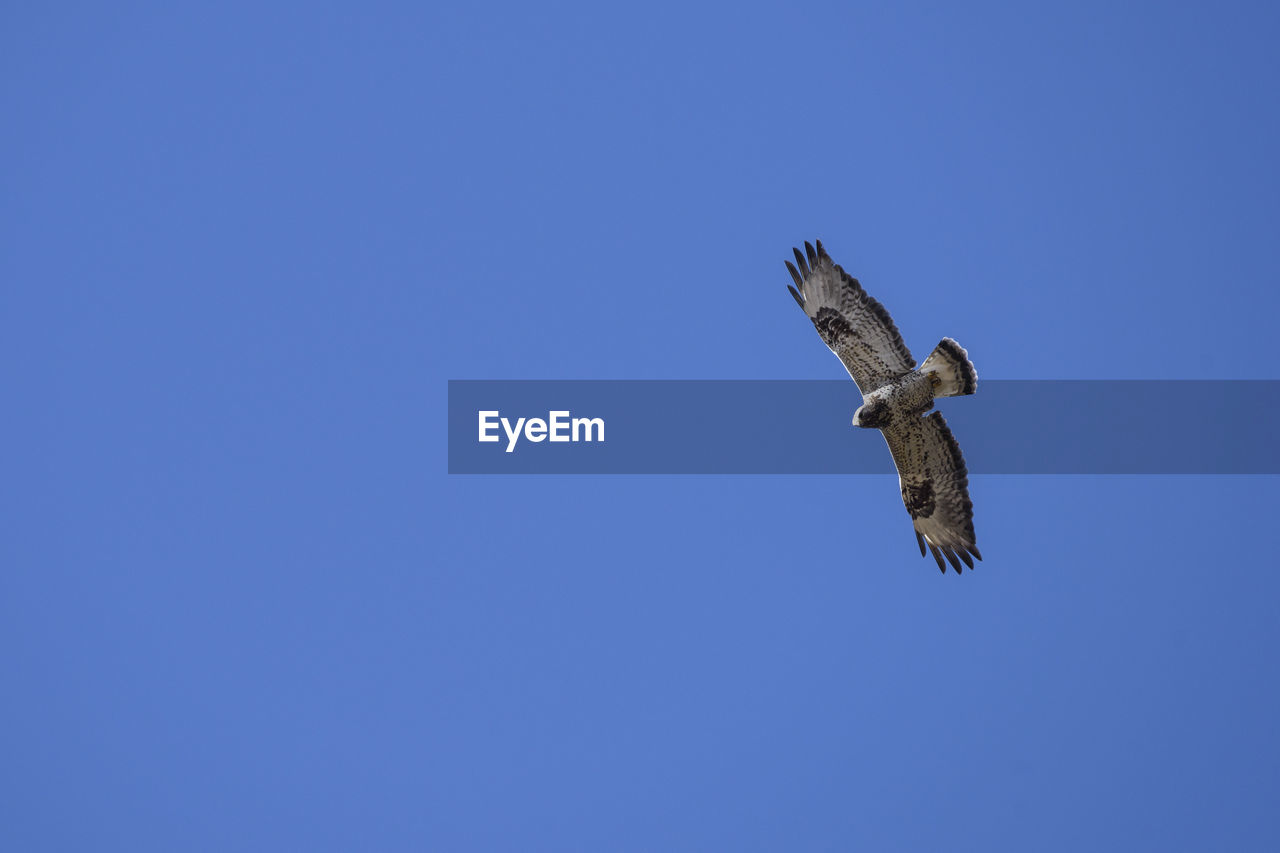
(895, 396)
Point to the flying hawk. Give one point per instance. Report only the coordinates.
(895, 396)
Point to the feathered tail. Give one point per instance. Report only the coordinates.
(952, 373)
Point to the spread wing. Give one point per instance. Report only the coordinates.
(852, 324)
(935, 487)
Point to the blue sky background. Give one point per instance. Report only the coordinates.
(243, 606)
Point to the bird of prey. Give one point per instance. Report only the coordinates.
(895, 395)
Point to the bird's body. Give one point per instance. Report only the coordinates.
(908, 396)
(895, 396)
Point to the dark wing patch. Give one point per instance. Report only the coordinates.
(832, 327)
(918, 498)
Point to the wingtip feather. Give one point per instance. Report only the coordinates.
(801, 262)
(795, 274)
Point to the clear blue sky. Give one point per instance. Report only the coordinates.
(243, 607)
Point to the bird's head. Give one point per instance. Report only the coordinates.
(872, 414)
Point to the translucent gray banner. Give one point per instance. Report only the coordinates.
(803, 427)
